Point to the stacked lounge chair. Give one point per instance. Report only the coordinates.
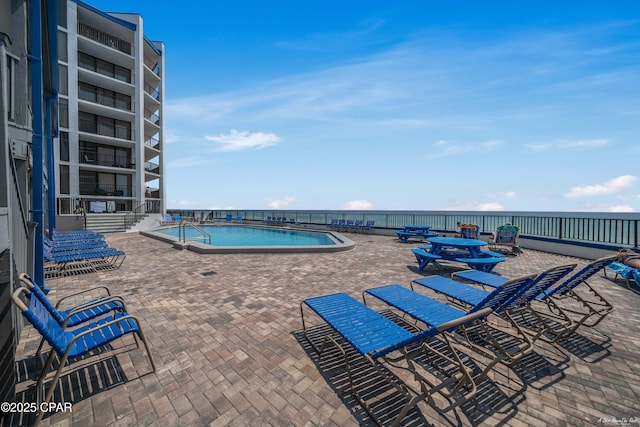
(79, 252)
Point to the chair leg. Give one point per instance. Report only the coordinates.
(52, 388)
(146, 347)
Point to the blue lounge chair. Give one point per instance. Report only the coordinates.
(589, 308)
(434, 313)
(368, 227)
(168, 220)
(333, 224)
(177, 218)
(79, 314)
(473, 296)
(377, 338)
(356, 226)
(72, 344)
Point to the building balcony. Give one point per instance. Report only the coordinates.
(104, 38)
(94, 159)
(152, 167)
(105, 129)
(104, 97)
(152, 143)
(103, 190)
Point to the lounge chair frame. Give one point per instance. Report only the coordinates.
(63, 343)
(563, 308)
(408, 347)
(504, 343)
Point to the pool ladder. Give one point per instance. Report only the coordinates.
(182, 232)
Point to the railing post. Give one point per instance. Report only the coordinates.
(560, 231)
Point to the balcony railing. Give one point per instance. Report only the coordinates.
(153, 65)
(153, 143)
(104, 38)
(152, 91)
(104, 129)
(104, 68)
(95, 189)
(152, 117)
(152, 167)
(100, 96)
(102, 159)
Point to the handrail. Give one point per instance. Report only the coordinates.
(132, 217)
(182, 232)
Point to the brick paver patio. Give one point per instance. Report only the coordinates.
(224, 333)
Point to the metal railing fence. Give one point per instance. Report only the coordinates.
(617, 229)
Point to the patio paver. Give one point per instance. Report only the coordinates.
(223, 333)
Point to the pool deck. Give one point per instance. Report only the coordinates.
(224, 331)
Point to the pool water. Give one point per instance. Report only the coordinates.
(254, 236)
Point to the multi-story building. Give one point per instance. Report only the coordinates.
(27, 99)
(81, 125)
(110, 153)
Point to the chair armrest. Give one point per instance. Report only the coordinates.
(92, 304)
(99, 327)
(82, 292)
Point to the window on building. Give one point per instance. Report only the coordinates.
(62, 46)
(62, 13)
(63, 80)
(10, 85)
(63, 112)
(64, 179)
(64, 146)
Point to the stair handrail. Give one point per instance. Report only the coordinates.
(182, 232)
(133, 216)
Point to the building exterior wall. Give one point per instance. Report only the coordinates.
(16, 242)
(29, 84)
(115, 127)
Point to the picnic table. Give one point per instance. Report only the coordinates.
(415, 231)
(466, 251)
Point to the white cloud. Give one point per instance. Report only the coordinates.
(490, 206)
(539, 147)
(446, 148)
(578, 144)
(612, 186)
(621, 208)
(358, 205)
(491, 144)
(236, 141)
(282, 203)
(584, 144)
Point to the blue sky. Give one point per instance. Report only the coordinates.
(476, 105)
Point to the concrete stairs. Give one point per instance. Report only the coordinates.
(114, 222)
(149, 222)
(106, 222)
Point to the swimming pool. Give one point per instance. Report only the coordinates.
(253, 239)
